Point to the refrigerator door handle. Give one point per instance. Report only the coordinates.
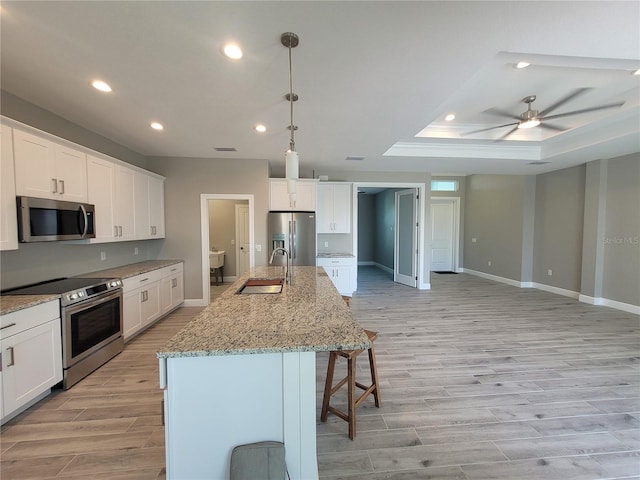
(293, 243)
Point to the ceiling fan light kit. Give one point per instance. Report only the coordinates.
(533, 118)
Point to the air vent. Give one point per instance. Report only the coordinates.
(225, 149)
(354, 157)
(537, 163)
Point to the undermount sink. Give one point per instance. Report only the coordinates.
(261, 285)
(216, 259)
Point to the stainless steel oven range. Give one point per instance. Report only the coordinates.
(91, 313)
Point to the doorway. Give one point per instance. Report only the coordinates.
(219, 231)
(445, 214)
(384, 232)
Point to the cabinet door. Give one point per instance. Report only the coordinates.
(342, 208)
(324, 213)
(151, 303)
(131, 312)
(156, 207)
(9, 222)
(71, 174)
(31, 364)
(141, 187)
(279, 195)
(125, 203)
(101, 193)
(165, 294)
(34, 165)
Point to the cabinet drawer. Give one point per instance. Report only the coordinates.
(172, 270)
(336, 262)
(16, 322)
(138, 281)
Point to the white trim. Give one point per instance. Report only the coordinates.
(559, 291)
(604, 302)
(195, 302)
(597, 301)
(368, 262)
(423, 274)
(383, 267)
(204, 238)
(456, 229)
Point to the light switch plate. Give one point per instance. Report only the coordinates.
(258, 247)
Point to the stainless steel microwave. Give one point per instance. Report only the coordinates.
(46, 220)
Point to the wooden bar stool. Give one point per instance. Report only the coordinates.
(351, 382)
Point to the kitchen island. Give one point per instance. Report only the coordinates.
(243, 371)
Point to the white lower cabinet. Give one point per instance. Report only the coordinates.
(342, 272)
(31, 356)
(149, 296)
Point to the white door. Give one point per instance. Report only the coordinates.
(406, 244)
(243, 244)
(443, 235)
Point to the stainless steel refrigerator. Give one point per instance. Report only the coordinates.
(295, 231)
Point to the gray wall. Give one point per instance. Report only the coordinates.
(366, 228)
(187, 179)
(494, 215)
(621, 242)
(559, 219)
(35, 262)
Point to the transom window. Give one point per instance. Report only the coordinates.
(444, 185)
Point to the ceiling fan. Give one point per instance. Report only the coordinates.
(533, 118)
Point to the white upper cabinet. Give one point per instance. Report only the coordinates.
(8, 220)
(334, 208)
(125, 197)
(101, 180)
(46, 169)
(305, 195)
(149, 206)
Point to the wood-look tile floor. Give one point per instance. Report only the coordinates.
(479, 380)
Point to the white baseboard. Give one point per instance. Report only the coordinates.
(556, 290)
(366, 263)
(195, 302)
(626, 307)
(605, 302)
(383, 267)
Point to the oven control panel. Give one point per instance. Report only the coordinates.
(85, 293)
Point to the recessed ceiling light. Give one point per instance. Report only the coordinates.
(100, 85)
(522, 64)
(450, 117)
(232, 51)
(156, 126)
(260, 128)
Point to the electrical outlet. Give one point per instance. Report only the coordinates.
(135, 251)
(326, 244)
(233, 241)
(103, 256)
(258, 247)
(473, 240)
(489, 263)
(549, 272)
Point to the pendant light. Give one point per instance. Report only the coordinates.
(291, 160)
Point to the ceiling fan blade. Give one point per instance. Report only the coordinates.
(501, 113)
(486, 129)
(553, 127)
(506, 134)
(585, 110)
(563, 100)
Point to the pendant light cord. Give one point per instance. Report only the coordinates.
(292, 143)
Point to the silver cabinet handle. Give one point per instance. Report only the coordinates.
(144, 279)
(120, 230)
(12, 362)
(115, 230)
(55, 185)
(61, 182)
(7, 326)
(145, 296)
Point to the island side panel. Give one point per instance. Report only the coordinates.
(299, 372)
(214, 403)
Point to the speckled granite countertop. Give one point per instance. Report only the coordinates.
(13, 303)
(308, 315)
(131, 270)
(335, 255)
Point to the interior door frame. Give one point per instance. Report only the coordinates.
(204, 237)
(237, 207)
(456, 230)
(423, 215)
(413, 281)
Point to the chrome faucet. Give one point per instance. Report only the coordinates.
(287, 273)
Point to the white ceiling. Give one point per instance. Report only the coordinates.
(371, 77)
